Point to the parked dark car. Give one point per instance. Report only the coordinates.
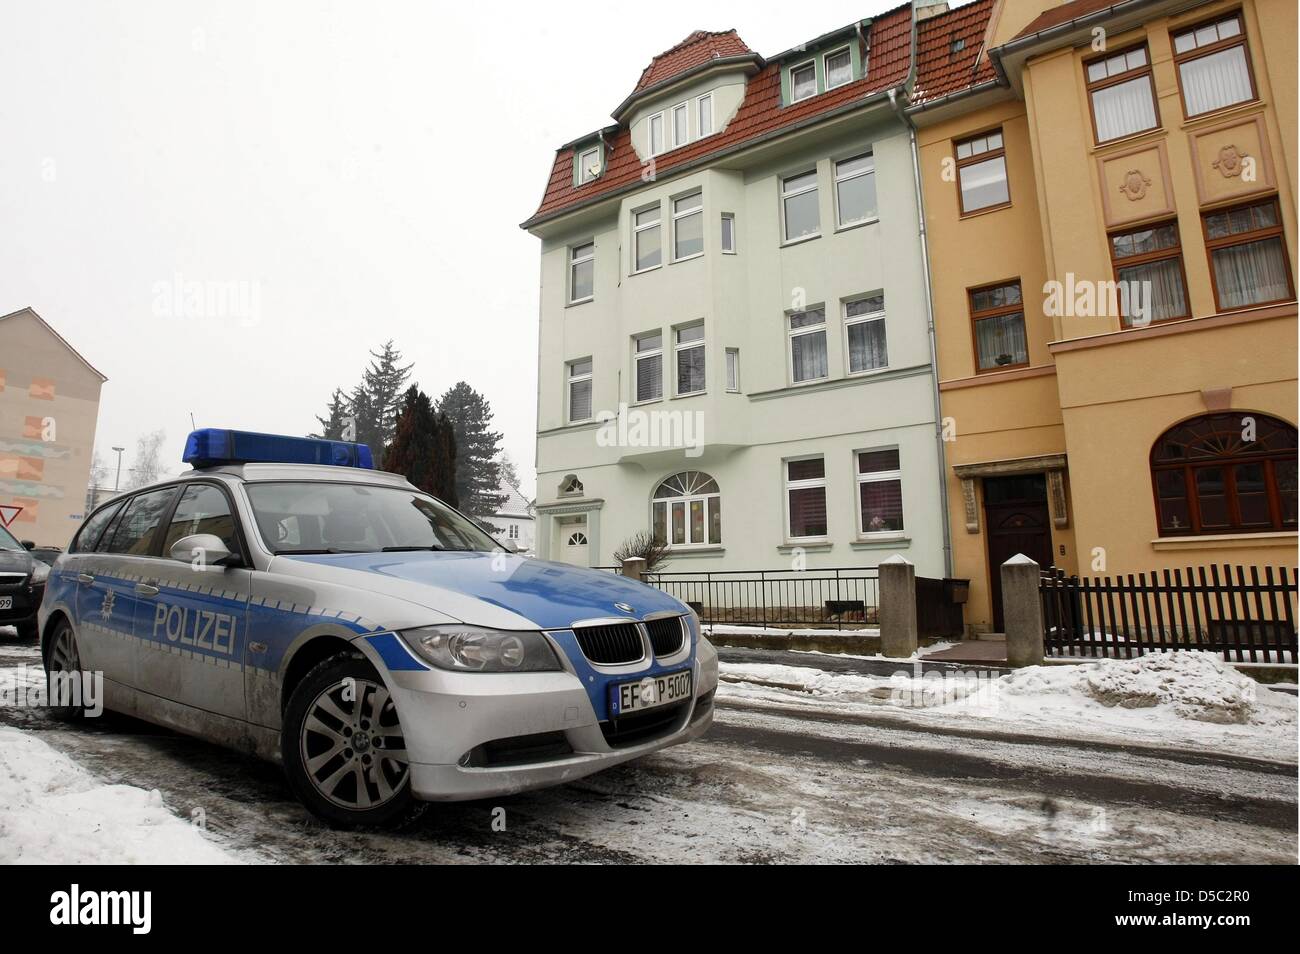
(45, 554)
(22, 585)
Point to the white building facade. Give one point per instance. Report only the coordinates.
(735, 348)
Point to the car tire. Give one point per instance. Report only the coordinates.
(339, 729)
(62, 655)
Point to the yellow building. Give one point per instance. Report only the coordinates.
(49, 405)
(1111, 222)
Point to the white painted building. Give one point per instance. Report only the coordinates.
(514, 520)
(734, 346)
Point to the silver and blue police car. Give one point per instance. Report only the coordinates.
(285, 598)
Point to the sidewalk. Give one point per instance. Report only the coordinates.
(991, 651)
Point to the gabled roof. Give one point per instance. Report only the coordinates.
(942, 70)
(697, 49)
(63, 341)
(515, 504)
(1063, 13)
(759, 115)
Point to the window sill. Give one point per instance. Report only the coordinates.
(866, 372)
(818, 545)
(1234, 541)
(1002, 367)
(801, 240)
(644, 271)
(653, 400)
(1217, 115)
(686, 258)
(1154, 133)
(688, 552)
(849, 227)
(728, 251)
(887, 542)
(690, 394)
(809, 382)
(976, 213)
(580, 301)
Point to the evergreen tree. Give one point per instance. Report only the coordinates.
(423, 447)
(334, 424)
(383, 382)
(477, 473)
(444, 481)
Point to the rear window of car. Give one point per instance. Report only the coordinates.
(93, 528)
(135, 532)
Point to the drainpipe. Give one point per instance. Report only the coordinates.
(929, 314)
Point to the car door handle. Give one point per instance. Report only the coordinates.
(85, 578)
(146, 589)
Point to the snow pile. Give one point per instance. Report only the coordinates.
(1191, 685)
(52, 811)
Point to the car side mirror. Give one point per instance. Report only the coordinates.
(202, 549)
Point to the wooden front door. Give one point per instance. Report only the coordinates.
(1016, 520)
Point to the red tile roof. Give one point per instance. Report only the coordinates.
(697, 49)
(759, 114)
(940, 70)
(1063, 13)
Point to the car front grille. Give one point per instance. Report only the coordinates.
(665, 635)
(610, 644)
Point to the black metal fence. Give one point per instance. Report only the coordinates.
(1246, 618)
(840, 597)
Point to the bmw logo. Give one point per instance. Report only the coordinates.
(624, 608)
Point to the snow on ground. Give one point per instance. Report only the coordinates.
(1183, 699)
(52, 811)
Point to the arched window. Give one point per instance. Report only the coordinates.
(687, 510)
(1233, 472)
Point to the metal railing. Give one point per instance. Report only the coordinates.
(839, 597)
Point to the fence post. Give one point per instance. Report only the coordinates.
(897, 607)
(633, 568)
(1022, 611)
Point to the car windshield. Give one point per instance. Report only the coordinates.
(7, 541)
(321, 517)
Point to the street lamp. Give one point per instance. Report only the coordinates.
(118, 479)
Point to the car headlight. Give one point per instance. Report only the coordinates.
(475, 649)
(41, 573)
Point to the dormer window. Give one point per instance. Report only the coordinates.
(839, 68)
(588, 165)
(681, 125)
(705, 110)
(803, 81)
(656, 126)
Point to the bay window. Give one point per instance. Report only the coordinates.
(1150, 259)
(689, 355)
(579, 390)
(649, 371)
(647, 250)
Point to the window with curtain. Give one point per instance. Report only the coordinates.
(1233, 472)
(998, 316)
(880, 491)
(690, 359)
(1122, 94)
(1248, 257)
(808, 345)
(1149, 263)
(982, 172)
(838, 67)
(1213, 62)
(864, 324)
(649, 362)
(803, 82)
(580, 390)
(805, 494)
(686, 511)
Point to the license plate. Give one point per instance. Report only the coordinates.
(6, 602)
(650, 692)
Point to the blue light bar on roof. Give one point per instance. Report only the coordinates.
(211, 446)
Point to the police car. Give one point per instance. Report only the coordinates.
(285, 598)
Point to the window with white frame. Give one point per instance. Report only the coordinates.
(704, 115)
(838, 68)
(647, 250)
(688, 226)
(855, 190)
(805, 498)
(803, 81)
(655, 127)
(729, 233)
(689, 355)
(686, 511)
(799, 206)
(864, 327)
(733, 369)
(512, 531)
(808, 345)
(588, 165)
(681, 124)
(579, 390)
(880, 491)
(649, 360)
(582, 272)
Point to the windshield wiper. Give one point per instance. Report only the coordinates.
(317, 552)
(432, 546)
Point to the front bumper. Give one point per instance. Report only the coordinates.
(479, 735)
(26, 603)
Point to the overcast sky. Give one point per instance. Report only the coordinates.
(355, 171)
